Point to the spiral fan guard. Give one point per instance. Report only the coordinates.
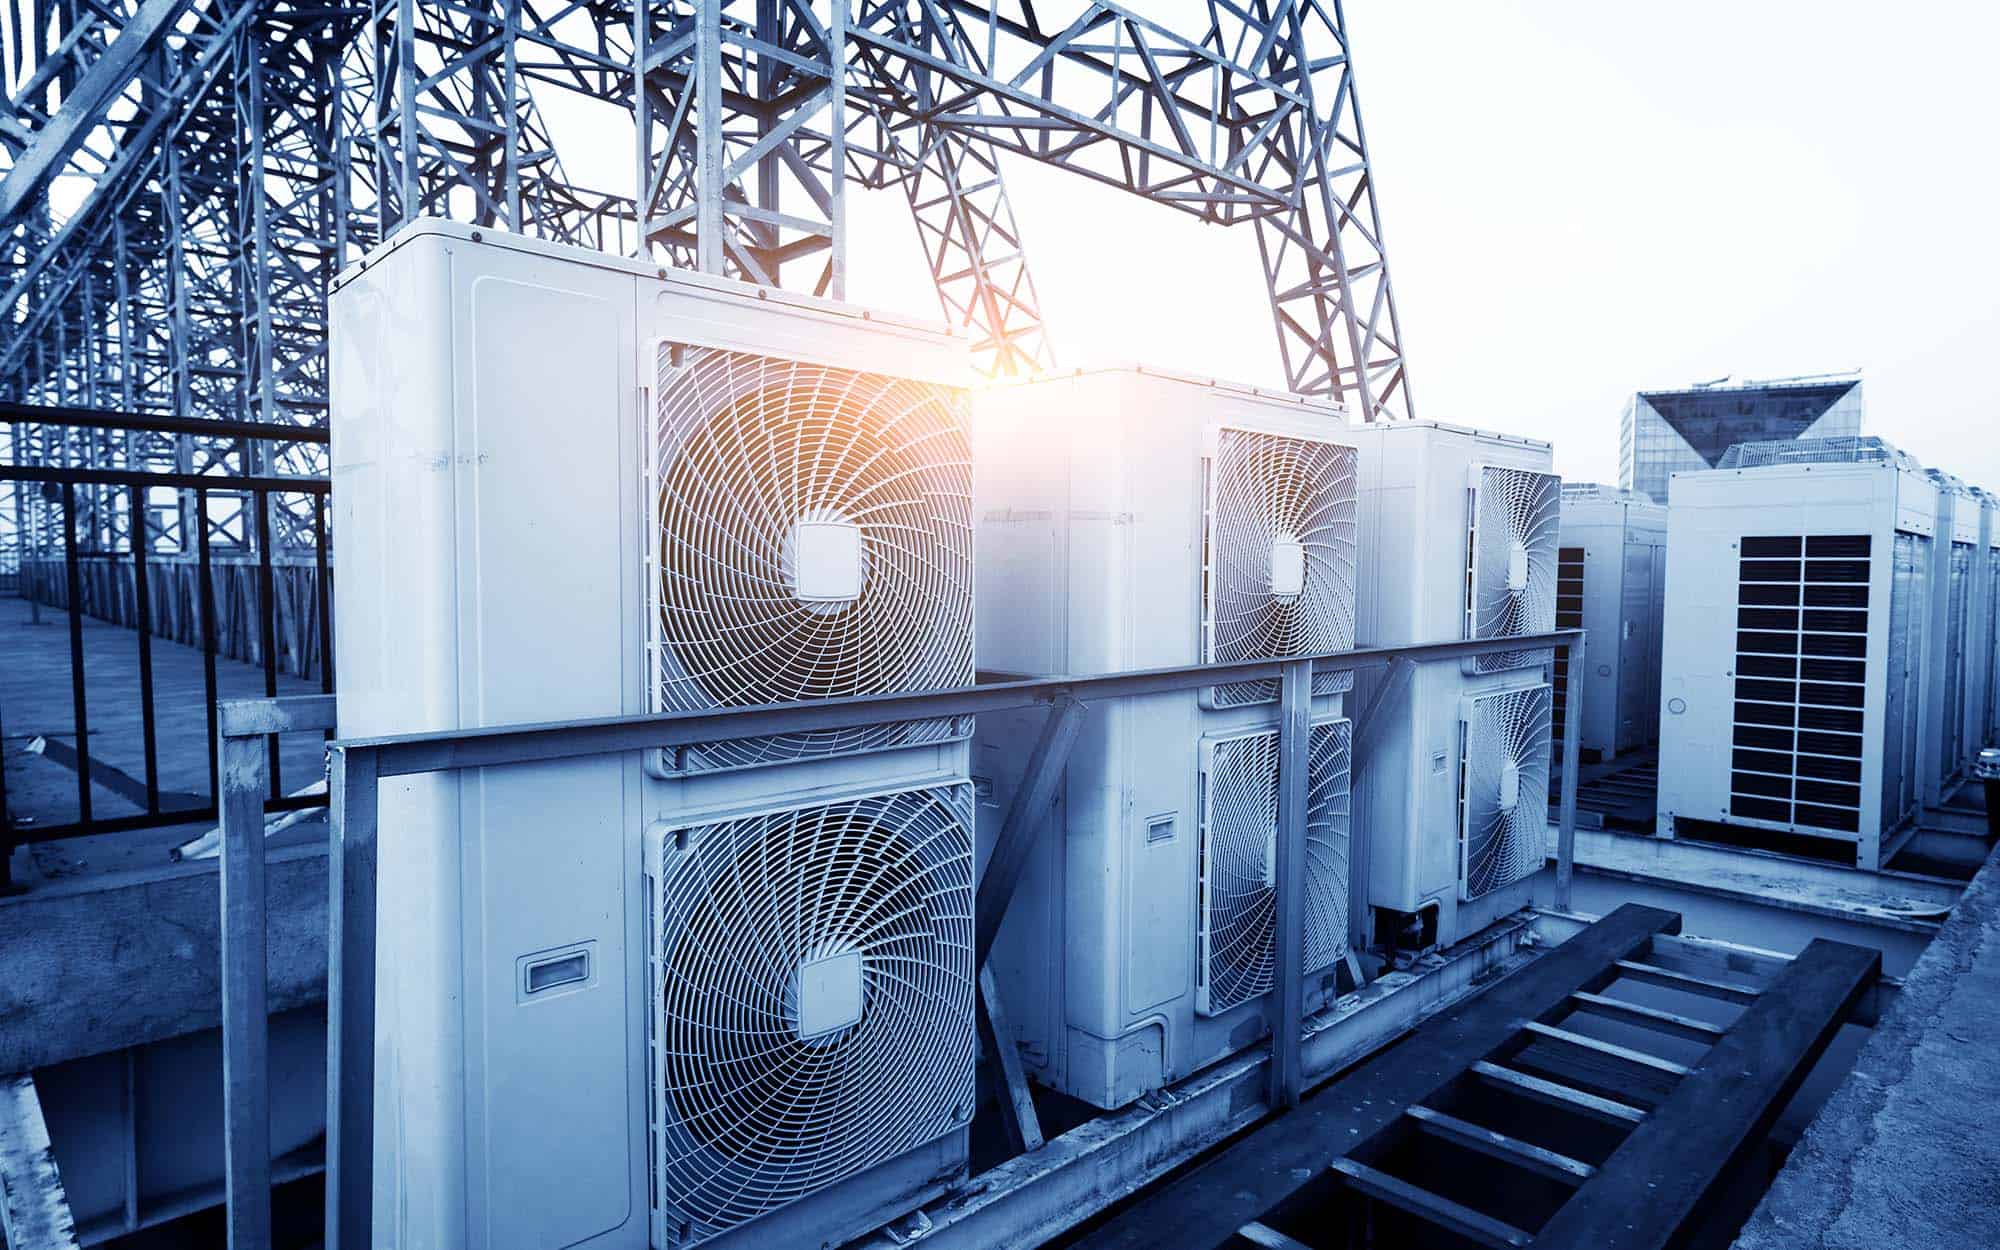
(1266, 489)
(1501, 846)
(1238, 903)
(751, 1110)
(1511, 589)
(752, 451)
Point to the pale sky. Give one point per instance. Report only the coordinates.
(1584, 199)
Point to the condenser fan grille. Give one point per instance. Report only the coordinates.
(1279, 555)
(815, 540)
(813, 997)
(1504, 789)
(1511, 574)
(1239, 845)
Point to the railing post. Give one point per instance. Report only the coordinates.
(1288, 938)
(350, 999)
(1573, 652)
(246, 1100)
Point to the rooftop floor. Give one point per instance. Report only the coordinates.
(1904, 1153)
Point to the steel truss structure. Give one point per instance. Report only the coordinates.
(180, 179)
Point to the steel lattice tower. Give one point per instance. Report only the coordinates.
(180, 179)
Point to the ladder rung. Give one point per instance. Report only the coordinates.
(1500, 1146)
(1686, 1028)
(1727, 991)
(1270, 1238)
(1470, 1224)
(1554, 1094)
(1637, 1058)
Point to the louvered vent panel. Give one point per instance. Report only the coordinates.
(814, 540)
(1510, 564)
(1278, 556)
(812, 1000)
(1503, 789)
(1957, 620)
(1238, 853)
(1801, 679)
(1569, 615)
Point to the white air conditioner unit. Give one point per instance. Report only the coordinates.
(655, 1003)
(1985, 721)
(1132, 519)
(1953, 668)
(1458, 540)
(1611, 577)
(1797, 638)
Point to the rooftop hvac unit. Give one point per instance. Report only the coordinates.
(655, 1003)
(1985, 721)
(1611, 582)
(1130, 519)
(1951, 746)
(1459, 539)
(1797, 639)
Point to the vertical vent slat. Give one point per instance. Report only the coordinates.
(1800, 679)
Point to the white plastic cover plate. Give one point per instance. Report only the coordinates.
(826, 561)
(1517, 568)
(1288, 567)
(829, 994)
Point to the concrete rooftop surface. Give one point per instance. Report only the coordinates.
(1905, 1154)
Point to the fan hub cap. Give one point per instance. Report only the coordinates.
(1517, 567)
(1288, 567)
(827, 994)
(826, 561)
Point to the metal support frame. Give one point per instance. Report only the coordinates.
(1286, 1002)
(236, 152)
(1683, 1127)
(358, 766)
(242, 728)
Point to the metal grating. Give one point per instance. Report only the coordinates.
(752, 453)
(763, 1092)
(1569, 615)
(1264, 490)
(1510, 562)
(1801, 679)
(1238, 851)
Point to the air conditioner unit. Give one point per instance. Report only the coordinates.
(655, 1003)
(1985, 723)
(1797, 638)
(1459, 537)
(1611, 581)
(1132, 519)
(1952, 748)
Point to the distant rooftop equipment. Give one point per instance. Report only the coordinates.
(1459, 539)
(1133, 519)
(1666, 432)
(1798, 639)
(1611, 580)
(1958, 671)
(718, 998)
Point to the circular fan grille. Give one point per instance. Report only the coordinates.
(760, 1104)
(1514, 538)
(1507, 754)
(1239, 905)
(1270, 492)
(754, 453)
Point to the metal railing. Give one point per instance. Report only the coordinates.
(356, 768)
(195, 559)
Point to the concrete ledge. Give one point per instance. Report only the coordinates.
(1904, 1153)
(96, 964)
